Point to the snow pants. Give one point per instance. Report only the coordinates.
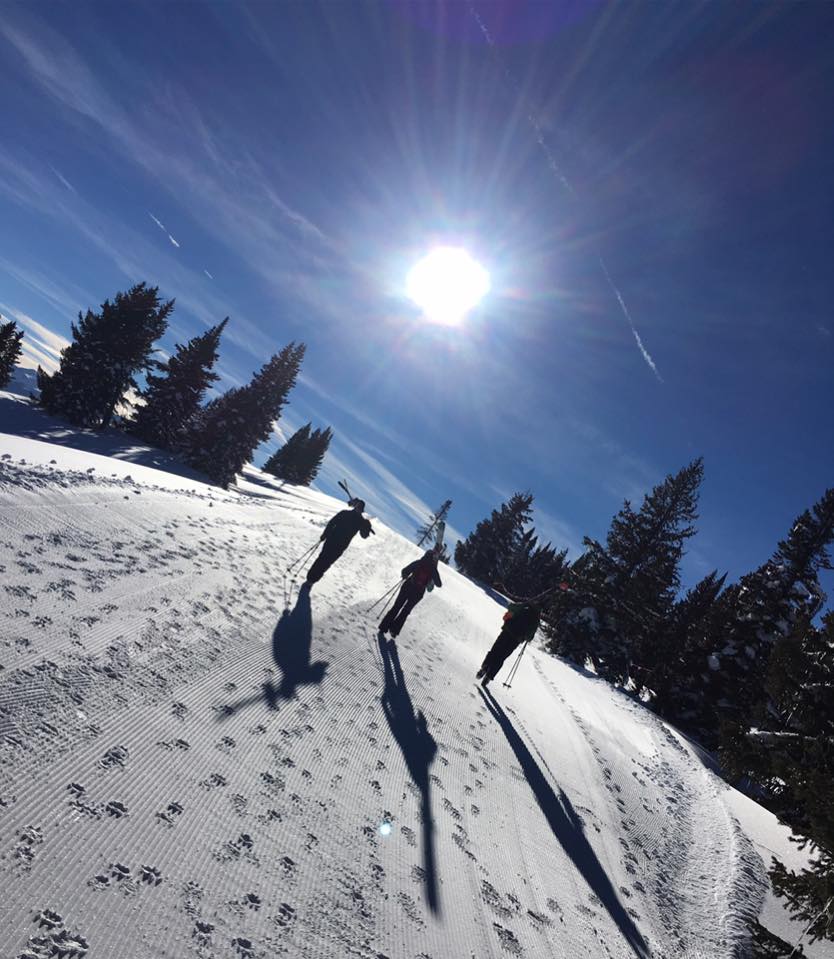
(326, 558)
(506, 644)
(408, 597)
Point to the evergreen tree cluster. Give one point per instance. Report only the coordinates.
(299, 459)
(747, 669)
(11, 338)
(111, 348)
(503, 551)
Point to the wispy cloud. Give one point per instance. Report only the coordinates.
(41, 347)
(229, 191)
(559, 532)
(131, 252)
(68, 299)
(63, 179)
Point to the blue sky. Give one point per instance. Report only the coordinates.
(648, 184)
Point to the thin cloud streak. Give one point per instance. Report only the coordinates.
(630, 322)
(234, 199)
(41, 347)
(111, 238)
(63, 179)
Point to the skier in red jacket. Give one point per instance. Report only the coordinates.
(417, 576)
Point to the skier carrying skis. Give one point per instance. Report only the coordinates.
(337, 536)
(520, 624)
(418, 576)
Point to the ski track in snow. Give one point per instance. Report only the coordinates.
(188, 768)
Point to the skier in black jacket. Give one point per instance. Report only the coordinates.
(520, 624)
(418, 576)
(337, 536)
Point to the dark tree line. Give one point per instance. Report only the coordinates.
(111, 349)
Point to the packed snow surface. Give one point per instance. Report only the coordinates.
(198, 759)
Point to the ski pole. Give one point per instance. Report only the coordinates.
(509, 681)
(384, 596)
(304, 555)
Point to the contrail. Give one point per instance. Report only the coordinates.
(627, 315)
(161, 226)
(556, 171)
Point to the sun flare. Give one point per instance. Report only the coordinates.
(446, 284)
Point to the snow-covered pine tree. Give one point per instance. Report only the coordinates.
(108, 350)
(314, 454)
(765, 606)
(223, 435)
(622, 593)
(429, 528)
(173, 395)
(790, 753)
(677, 677)
(10, 350)
(489, 550)
(287, 462)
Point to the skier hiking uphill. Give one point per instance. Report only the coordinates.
(520, 624)
(418, 576)
(337, 536)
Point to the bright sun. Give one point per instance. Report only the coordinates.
(446, 284)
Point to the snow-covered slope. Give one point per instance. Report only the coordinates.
(195, 760)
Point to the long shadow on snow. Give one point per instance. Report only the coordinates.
(291, 646)
(567, 828)
(418, 748)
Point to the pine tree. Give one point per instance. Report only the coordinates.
(223, 435)
(681, 669)
(173, 396)
(765, 607)
(108, 350)
(314, 454)
(790, 753)
(429, 528)
(622, 593)
(10, 349)
(287, 462)
(488, 552)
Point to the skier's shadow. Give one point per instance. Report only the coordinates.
(418, 748)
(567, 828)
(291, 646)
